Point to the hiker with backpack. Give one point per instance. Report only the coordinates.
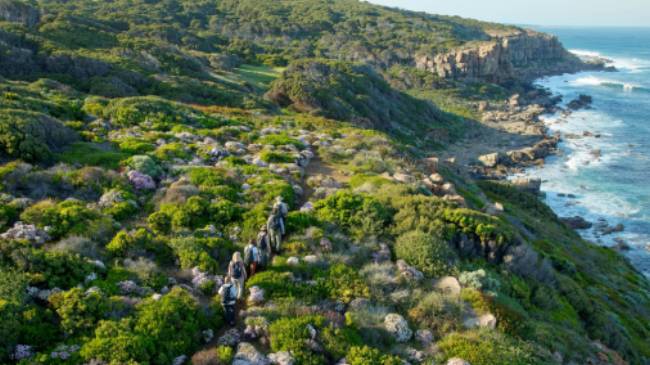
(282, 209)
(251, 257)
(228, 293)
(275, 227)
(237, 273)
(264, 246)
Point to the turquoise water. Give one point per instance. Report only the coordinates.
(609, 175)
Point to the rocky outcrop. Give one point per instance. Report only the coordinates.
(19, 12)
(524, 55)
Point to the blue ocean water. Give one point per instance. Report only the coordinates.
(607, 168)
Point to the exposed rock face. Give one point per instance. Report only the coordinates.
(523, 55)
(19, 12)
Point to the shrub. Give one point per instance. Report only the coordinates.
(90, 154)
(135, 147)
(430, 254)
(78, 245)
(79, 312)
(337, 341)
(360, 214)
(365, 355)
(193, 251)
(170, 151)
(290, 334)
(145, 165)
(70, 216)
(160, 330)
(485, 347)
(345, 284)
(54, 269)
(280, 140)
(224, 355)
(437, 312)
(31, 136)
(277, 157)
(160, 222)
(125, 243)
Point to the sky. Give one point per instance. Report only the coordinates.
(538, 12)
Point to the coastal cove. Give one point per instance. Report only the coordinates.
(601, 170)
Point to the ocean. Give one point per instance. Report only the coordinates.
(602, 172)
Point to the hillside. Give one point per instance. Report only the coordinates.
(144, 142)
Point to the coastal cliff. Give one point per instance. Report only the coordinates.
(523, 55)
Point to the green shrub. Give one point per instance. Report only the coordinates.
(128, 243)
(31, 136)
(277, 157)
(290, 334)
(159, 331)
(337, 341)
(485, 347)
(134, 146)
(279, 284)
(365, 355)
(224, 355)
(90, 154)
(79, 312)
(438, 313)
(363, 215)
(428, 253)
(145, 165)
(128, 112)
(345, 284)
(170, 151)
(66, 217)
(160, 222)
(280, 140)
(206, 253)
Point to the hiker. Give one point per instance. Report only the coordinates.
(275, 227)
(237, 273)
(281, 207)
(228, 293)
(264, 246)
(251, 257)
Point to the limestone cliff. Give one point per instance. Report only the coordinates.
(522, 55)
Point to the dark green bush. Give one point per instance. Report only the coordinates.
(31, 136)
(365, 355)
(66, 217)
(79, 312)
(361, 214)
(290, 334)
(428, 253)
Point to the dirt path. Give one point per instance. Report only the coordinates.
(319, 167)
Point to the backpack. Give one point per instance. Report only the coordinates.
(227, 295)
(275, 223)
(248, 255)
(237, 271)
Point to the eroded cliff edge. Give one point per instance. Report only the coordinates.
(521, 55)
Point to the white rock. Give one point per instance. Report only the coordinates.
(449, 285)
(397, 326)
(247, 354)
(425, 337)
(256, 295)
(488, 321)
(292, 261)
(311, 259)
(281, 358)
(180, 360)
(457, 361)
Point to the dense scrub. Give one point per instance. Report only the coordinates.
(127, 184)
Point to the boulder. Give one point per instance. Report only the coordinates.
(27, 232)
(247, 354)
(436, 178)
(281, 358)
(397, 326)
(576, 222)
(230, 338)
(293, 261)
(449, 285)
(403, 178)
(457, 361)
(531, 185)
(487, 320)
(424, 337)
(491, 159)
(409, 272)
(255, 296)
